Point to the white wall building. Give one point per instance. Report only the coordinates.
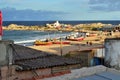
(112, 52)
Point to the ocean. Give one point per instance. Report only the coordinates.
(28, 37)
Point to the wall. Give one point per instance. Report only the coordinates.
(75, 66)
(59, 69)
(100, 53)
(22, 74)
(84, 56)
(112, 52)
(5, 52)
(37, 74)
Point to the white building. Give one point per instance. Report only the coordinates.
(56, 24)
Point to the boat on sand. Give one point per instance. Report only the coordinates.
(61, 42)
(38, 42)
(76, 39)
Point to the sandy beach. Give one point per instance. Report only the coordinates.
(74, 45)
(97, 42)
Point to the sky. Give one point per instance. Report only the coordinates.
(61, 9)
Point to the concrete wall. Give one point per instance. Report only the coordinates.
(75, 66)
(2, 54)
(22, 74)
(100, 52)
(84, 56)
(12, 74)
(112, 52)
(5, 52)
(46, 71)
(59, 69)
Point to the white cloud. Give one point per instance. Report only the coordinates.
(104, 5)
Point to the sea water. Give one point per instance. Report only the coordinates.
(25, 37)
(28, 37)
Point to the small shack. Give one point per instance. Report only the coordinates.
(89, 55)
(84, 56)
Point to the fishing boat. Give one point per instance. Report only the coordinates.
(92, 34)
(76, 39)
(75, 36)
(61, 42)
(38, 42)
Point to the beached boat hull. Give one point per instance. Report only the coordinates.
(38, 43)
(77, 39)
(63, 42)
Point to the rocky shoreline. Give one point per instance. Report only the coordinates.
(60, 27)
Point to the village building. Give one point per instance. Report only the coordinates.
(56, 24)
(92, 55)
(23, 63)
(113, 28)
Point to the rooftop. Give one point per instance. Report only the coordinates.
(102, 76)
(30, 59)
(112, 39)
(90, 73)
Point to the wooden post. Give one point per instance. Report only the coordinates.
(61, 52)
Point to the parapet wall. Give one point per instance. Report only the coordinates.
(112, 52)
(5, 52)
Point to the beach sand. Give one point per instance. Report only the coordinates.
(56, 49)
(97, 42)
(75, 45)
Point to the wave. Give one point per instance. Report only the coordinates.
(28, 37)
(26, 41)
(31, 41)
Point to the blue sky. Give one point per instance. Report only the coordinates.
(67, 9)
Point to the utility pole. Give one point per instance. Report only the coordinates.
(61, 51)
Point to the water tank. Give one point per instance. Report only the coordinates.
(112, 52)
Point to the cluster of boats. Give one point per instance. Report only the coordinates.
(38, 42)
(72, 37)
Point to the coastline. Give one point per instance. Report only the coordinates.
(75, 45)
(97, 41)
(57, 27)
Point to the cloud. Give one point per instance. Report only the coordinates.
(104, 5)
(4, 3)
(9, 1)
(12, 14)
